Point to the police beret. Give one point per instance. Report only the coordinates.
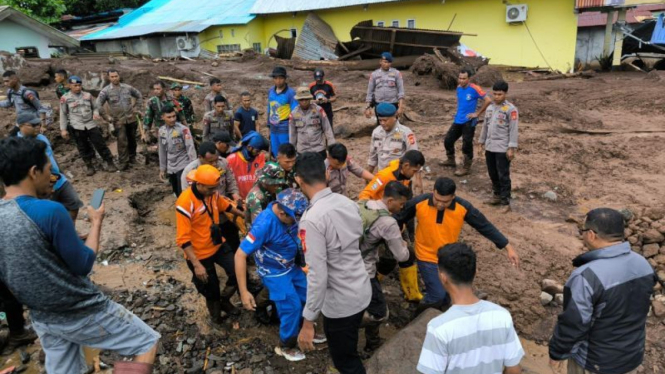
(385, 110)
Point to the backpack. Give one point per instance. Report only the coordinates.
(369, 217)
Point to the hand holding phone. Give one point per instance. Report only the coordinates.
(96, 209)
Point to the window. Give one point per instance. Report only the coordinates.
(228, 48)
(395, 23)
(380, 24)
(28, 52)
(410, 23)
(257, 48)
(294, 33)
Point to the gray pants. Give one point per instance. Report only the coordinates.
(575, 368)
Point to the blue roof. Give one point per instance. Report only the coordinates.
(177, 16)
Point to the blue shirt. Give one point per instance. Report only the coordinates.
(280, 106)
(58, 228)
(467, 102)
(247, 119)
(55, 170)
(273, 244)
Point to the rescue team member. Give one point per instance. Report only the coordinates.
(441, 215)
(324, 93)
(77, 110)
(246, 118)
(339, 165)
(223, 143)
(208, 156)
(337, 283)
(602, 328)
(185, 103)
(62, 191)
(281, 101)
(219, 119)
(402, 170)
(60, 78)
(46, 266)
(385, 86)
(201, 238)
(390, 141)
(381, 228)
(498, 138)
(153, 112)
(309, 129)
(23, 99)
(176, 149)
(273, 240)
(215, 90)
(464, 124)
(246, 159)
(123, 114)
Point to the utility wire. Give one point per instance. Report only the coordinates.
(536, 44)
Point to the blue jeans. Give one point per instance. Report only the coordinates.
(114, 329)
(289, 292)
(434, 291)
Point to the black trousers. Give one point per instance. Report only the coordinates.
(230, 233)
(224, 258)
(174, 180)
(342, 335)
(126, 142)
(377, 306)
(13, 309)
(89, 141)
(498, 167)
(466, 131)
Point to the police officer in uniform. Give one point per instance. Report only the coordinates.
(176, 149)
(23, 99)
(309, 128)
(219, 119)
(385, 86)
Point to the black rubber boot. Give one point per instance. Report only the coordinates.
(215, 310)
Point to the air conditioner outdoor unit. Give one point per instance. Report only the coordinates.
(184, 43)
(516, 13)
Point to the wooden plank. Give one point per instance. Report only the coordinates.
(354, 53)
(439, 55)
(404, 44)
(180, 81)
(415, 30)
(341, 44)
(392, 40)
(403, 61)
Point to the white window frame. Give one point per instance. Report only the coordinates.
(411, 20)
(257, 47)
(395, 21)
(380, 24)
(228, 48)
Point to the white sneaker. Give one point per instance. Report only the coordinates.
(319, 339)
(292, 354)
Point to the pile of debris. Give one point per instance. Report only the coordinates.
(445, 67)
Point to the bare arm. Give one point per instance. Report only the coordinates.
(512, 370)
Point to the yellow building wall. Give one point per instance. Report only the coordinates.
(245, 35)
(553, 24)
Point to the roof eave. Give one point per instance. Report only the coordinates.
(55, 37)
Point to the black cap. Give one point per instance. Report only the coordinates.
(223, 136)
(318, 73)
(278, 71)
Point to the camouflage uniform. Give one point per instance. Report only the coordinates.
(61, 90)
(121, 113)
(187, 109)
(153, 112)
(258, 197)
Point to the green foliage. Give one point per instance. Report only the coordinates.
(88, 7)
(605, 61)
(47, 11)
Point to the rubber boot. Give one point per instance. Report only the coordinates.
(494, 200)
(18, 340)
(465, 169)
(129, 367)
(110, 166)
(450, 161)
(372, 338)
(215, 310)
(226, 304)
(262, 300)
(408, 277)
(89, 169)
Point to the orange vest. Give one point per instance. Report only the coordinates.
(436, 229)
(374, 189)
(244, 171)
(193, 222)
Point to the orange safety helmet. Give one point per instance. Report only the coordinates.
(207, 175)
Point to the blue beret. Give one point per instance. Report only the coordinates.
(388, 56)
(74, 79)
(385, 110)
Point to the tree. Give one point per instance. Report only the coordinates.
(47, 11)
(87, 7)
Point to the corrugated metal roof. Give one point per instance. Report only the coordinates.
(282, 6)
(80, 32)
(177, 16)
(317, 40)
(593, 19)
(56, 37)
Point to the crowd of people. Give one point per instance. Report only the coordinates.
(280, 206)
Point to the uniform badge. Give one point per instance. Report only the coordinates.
(513, 116)
(174, 134)
(412, 139)
(397, 136)
(505, 108)
(301, 234)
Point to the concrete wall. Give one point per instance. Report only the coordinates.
(590, 43)
(553, 24)
(153, 46)
(245, 35)
(14, 35)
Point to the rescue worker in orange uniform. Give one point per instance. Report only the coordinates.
(401, 170)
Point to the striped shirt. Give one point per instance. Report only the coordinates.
(470, 339)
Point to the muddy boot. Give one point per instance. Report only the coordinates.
(504, 207)
(89, 169)
(19, 340)
(110, 166)
(124, 167)
(494, 200)
(215, 310)
(129, 367)
(227, 306)
(372, 338)
(450, 162)
(465, 169)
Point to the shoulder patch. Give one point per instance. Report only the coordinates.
(412, 139)
(513, 115)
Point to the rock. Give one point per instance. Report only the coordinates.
(652, 236)
(627, 214)
(216, 372)
(257, 358)
(558, 298)
(545, 298)
(627, 232)
(550, 195)
(245, 371)
(633, 240)
(550, 286)
(655, 213)
(486, 76)
(401, 352)
(650, 250)
(658, 306)
(215, 64)
(660, 259)
(661, 275)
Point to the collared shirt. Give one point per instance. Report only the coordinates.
(374, 189)
(76, 110)
(153, 111)
(280, 106)
(245, 171)
(437, 228)
(385, 86)
(214, 122)
(339, 177)
(209, 101)
(24, 100)
(310, 130)
(121, 106)
(384, 230)
(500, 129)
(337, 282)
(273, 244)
(467, 102)
(176, 148)
(227, 183)
(386, 147)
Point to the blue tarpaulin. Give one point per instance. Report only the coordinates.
(658, 36)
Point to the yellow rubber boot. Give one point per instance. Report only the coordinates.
(408, 277)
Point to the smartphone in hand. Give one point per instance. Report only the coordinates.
(97, 198)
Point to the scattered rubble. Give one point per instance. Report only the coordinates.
(545, 298)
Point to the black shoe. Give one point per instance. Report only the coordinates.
(89, 170)
(110, 167)
(215, 311)
(229, 308)
(262, 315)
(19, 340)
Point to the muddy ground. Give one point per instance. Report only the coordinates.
(593, 142)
